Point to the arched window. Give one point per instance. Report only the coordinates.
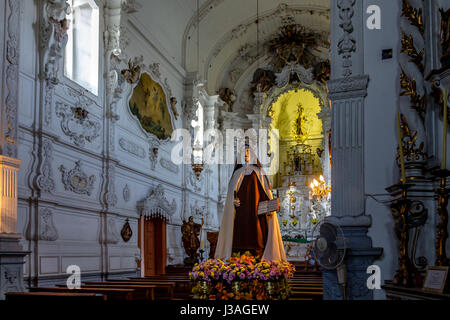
(81, 61)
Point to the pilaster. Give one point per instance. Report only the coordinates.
(347, 91)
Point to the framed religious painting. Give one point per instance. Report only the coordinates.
(435, 279)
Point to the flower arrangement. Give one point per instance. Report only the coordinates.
(241, 277)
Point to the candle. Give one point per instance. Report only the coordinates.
(400, 145)
(202, 245)
(444, 138)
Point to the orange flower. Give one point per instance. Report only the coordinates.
(248, 296)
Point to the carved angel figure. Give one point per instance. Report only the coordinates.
(131, 75)
(173, 105)
(228, 96)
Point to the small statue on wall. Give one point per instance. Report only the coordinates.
(228, 96)
(263, 80)
(173, 105)
(322, 71)
(190, 232)
(131, 75)
(445, 37)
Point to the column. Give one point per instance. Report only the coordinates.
(347, 91)
(11, 253)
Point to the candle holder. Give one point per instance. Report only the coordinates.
(441, 195)
(407, 214)
(201, 254)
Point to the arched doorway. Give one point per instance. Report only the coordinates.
(155, 212)
(152, 243)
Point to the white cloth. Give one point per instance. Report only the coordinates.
(274, 249)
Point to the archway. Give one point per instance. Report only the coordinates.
(301, 118)
(152, 243)
(155, 211)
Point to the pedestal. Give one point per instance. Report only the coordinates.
(358, 258)
(11, 253)
(11, 264)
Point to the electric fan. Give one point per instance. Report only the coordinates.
(329, 250)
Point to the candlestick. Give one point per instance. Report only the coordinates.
(444, 138)
(400, 145)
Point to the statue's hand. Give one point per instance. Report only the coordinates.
(237, 202)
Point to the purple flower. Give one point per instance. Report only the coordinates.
(242, 276)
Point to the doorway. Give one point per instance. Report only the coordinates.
(152, 243)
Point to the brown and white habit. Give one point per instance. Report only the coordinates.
(242, 228)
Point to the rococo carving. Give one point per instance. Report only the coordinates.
(75, 124)
(45, 180)
(47, 229)
(11, 69)
(53, 37)
(132, 148)
(169, 165)
(153, 152)
(126, 193)
(112, 236)
(347, 43)
(293, 46)
(132, 74)
(77, 180)
(156, 205)
(110, 195)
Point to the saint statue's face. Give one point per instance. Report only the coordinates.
(247, 155)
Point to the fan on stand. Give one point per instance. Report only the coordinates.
(329, 249)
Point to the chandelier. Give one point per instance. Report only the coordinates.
(197, 164)
(197, 149)
(319, 189)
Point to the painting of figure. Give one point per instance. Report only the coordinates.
(149, 104)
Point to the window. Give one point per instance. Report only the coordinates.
(82, 49)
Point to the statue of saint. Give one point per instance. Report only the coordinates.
(190, 231)
(242, 229)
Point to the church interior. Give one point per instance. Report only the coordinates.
(149, 147)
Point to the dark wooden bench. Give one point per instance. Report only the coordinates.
(147, 290)
(20, 296)
(182, 287)
(165, 285)
(108, 293)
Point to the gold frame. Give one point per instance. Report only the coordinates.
(442, 288)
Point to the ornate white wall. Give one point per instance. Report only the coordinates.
(66, 223)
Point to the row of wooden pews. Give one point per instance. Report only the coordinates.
(170, 286)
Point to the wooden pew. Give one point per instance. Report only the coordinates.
(169, 286)
(108, 293)
(182, 287)
(20, 296)
(148, 290)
